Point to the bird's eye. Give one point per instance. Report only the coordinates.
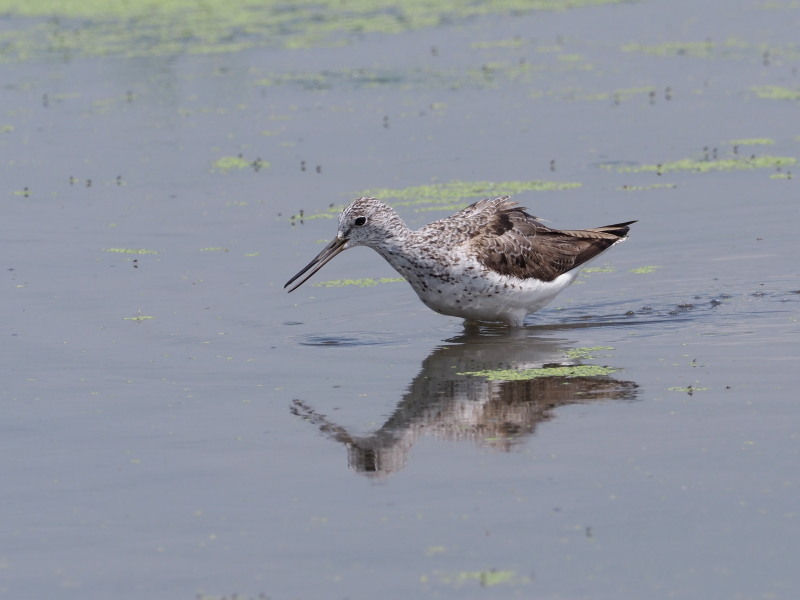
(360, 221)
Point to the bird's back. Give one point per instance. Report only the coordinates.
(509, 241)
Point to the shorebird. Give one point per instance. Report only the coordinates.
(491, 261)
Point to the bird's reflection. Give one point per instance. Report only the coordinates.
(445, 401)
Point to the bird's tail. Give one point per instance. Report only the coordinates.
(617, 232)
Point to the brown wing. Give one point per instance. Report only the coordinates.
(512, 242)
(481, 212)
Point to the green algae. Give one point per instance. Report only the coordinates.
(587, 353)
(575, 94)
(226, 164)
(526, 374)
(491, 72)
(71, 28)
(130, 251)
(486, 75)
(360, 78)
(138, 318)
(487, 578)
(707, 48)
(446, 193)
(644, 188)
(447, 196)
(775, 92)
(697, 49)
(229, 163)
(730, 47)
(752, 142)
(644, 270)
(364, 282)
(434, 550)
(515, 42)
(706, 166)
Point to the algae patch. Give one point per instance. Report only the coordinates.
(730, 47)
(226, 164)
(526, 374)
(705, 166)
(688, 389)
(752, 142)
(487, 578)
(443, 193)
(587, 353)
(130, 251)
(775, 92)
(604, 269)
(447, 196)
(697, 49)
(646, 270)
(365, 282)
(70, 28)
(644, 188)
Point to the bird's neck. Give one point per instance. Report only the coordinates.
(406, 252)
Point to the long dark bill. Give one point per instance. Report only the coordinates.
(331, 250)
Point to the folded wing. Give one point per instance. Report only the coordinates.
(511, 242)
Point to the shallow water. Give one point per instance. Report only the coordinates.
(174, 424)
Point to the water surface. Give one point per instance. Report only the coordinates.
(175, 425)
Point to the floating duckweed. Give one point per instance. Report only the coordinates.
(365, 282)
(138, 318)
(443, 193)
(171, 27)
(705, 166)
(515, 42)
(696, 49)
(634, 91)
(526, 374)
(130, 251)
(586, 353)
(645, 270)
(644, 188)
(229, 163)
(571, 57)
(752, 142)
(448, 196)
(699, 49)
(775, 92)
(604, 269)
(488, 578)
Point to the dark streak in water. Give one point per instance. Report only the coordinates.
(347, 341)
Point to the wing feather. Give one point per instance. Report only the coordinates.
(509, 241)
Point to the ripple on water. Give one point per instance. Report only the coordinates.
(348, 340)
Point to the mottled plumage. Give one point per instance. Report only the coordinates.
(491, 261)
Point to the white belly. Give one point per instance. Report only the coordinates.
(487, 296)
